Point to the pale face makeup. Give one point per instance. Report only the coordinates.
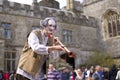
(50, 29)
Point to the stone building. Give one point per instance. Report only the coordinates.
(108, 14)
(83, 29)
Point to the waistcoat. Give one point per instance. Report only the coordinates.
(30, 61)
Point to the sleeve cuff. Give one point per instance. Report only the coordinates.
(47, 50)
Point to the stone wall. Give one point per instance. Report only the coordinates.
(2, 54)
(2, 43)
(42, 12)
(113, 46)
(22, 17)
(96, 8)
(2, 33)
(90, 2)
(49, 3)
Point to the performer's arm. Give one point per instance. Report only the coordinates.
(33, 42)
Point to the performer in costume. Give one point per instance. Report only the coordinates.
(36, 50)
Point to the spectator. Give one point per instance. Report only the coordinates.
(113, 72)
(53, 74)
(13, 76)
(65, 74)
(79, 74)
(73, 75)
(105, 73)
(84, 71)
(6, 75)
(118, 74)
(1, 75)
(96, 75)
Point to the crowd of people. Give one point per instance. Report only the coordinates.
(86, 73)
(5, 75)
(83, 73)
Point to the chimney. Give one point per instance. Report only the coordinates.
(70, 5)
(34, 2)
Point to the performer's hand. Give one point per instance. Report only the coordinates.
(55, 40)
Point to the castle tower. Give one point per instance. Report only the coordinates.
(49, 3)
(70, 5)
(34, 2)
(74, 6)
(36, 7)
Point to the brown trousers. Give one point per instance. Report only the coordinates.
(20, 77)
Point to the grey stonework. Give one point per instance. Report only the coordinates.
(97, 9)
(41, 12)
(49, 3)
(1, 54)
(2, 43)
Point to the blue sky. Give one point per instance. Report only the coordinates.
(62, 2)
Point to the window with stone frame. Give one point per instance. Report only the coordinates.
(66, 36)
(112, 24)
(118, 27)
(9, 60)
(7, 27)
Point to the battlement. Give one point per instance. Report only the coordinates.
(89, 2)
(42, 12)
